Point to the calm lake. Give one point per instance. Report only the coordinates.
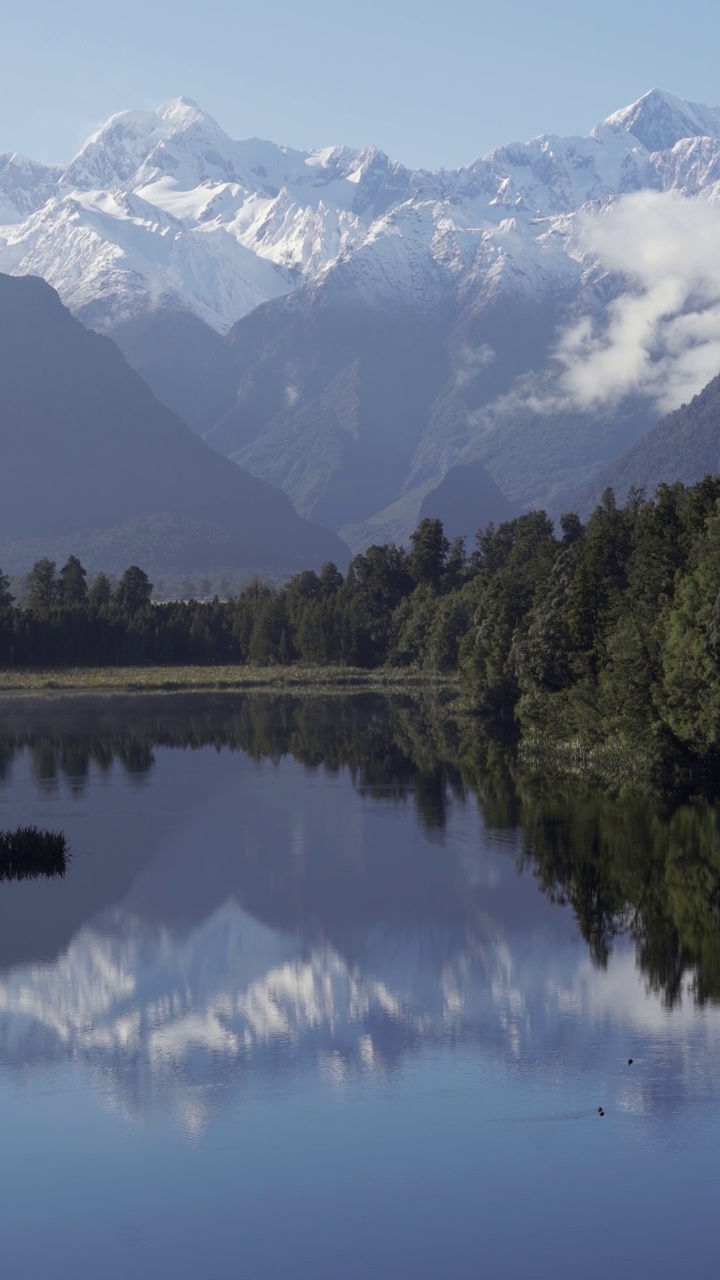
(331, 991)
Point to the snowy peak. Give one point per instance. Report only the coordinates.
(182, 143)
(550, 175)
(659, 120)
(181, 112)
(133, 147)
(165, 204)
(25, 185)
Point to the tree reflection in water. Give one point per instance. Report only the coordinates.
(640, 863)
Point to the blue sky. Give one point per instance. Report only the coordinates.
(431, 83)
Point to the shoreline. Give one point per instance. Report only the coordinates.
(222, 679)
(609, 763)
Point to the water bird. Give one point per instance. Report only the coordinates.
(630, 1061)
(600, 1111)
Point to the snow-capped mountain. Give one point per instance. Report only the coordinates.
(165, 204)
(165, 233)
(163, 207)
(660, 120)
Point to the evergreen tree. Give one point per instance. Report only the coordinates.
(331, 579)
(514, 564)
(595, 594)
(100, 593)
(72, 588)
(133, 592)
(449, 625)
(375, 584)
(428, 557)
(42, 587)
(300, 590)
(455, 566)
(265, 636)
(310, 635)
(6, 596)
(572, 528)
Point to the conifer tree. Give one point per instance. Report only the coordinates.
(6, 596)
(42, 587)
(133, 591)
(100, 593)
(429, 552)
(72, 587)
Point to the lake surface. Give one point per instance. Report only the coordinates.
(329, 991)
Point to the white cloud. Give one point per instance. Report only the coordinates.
(469, 361)
(661, 337)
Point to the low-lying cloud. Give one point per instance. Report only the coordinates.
(469, 362)
(661, 337)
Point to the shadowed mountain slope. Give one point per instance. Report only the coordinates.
(170, 349)
(466, 499)
(357, 412)
(685, 446)
(93, 463)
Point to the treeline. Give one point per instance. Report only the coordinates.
(604, 629)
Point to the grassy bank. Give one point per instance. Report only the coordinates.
(189, 679)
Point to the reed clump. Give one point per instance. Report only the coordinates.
(29, 853)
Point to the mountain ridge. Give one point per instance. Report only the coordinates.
(174, 171)
(247, 281)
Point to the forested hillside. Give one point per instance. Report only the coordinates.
(685, 445)
(608, 630)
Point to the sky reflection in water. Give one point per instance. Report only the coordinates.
(281, 1021)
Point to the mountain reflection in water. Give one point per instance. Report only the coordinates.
(265, 887)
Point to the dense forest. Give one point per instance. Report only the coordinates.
(608, 630)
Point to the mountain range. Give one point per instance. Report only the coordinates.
(357, 333)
